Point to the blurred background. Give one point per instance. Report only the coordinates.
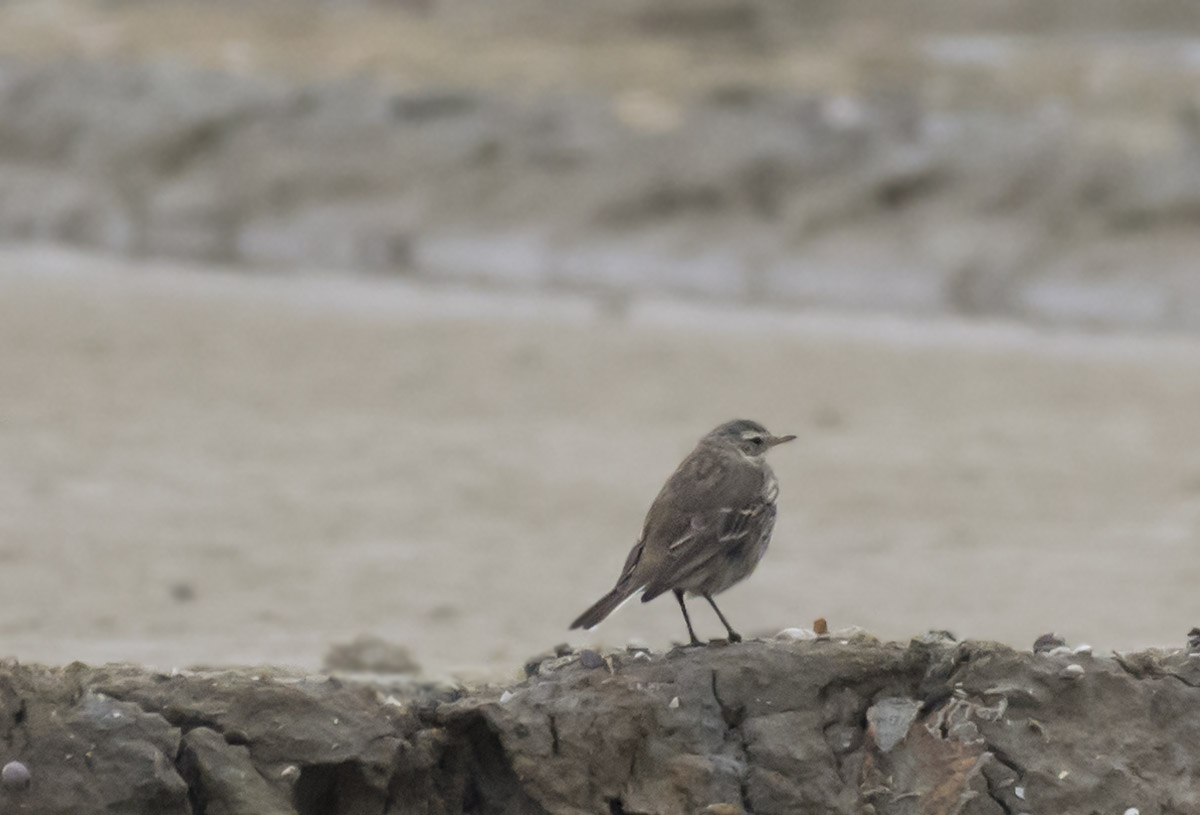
(324, 318)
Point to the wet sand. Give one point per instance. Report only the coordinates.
(199, 467)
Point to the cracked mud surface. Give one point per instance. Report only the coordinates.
(758, 727)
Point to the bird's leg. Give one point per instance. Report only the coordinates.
(686, 618)
(733, 635)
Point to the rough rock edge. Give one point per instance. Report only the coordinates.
(758, 727)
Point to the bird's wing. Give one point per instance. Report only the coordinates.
(717, 537)
(719, 508)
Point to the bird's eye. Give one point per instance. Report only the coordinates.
(756, 440)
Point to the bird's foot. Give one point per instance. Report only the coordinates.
(735, 636)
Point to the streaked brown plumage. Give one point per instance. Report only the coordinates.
(708, 527)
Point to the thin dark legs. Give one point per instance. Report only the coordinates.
(733, 635)
(686, 618)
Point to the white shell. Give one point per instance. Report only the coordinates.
(674, 703)
(15, 776)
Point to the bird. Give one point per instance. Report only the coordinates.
(708, 527)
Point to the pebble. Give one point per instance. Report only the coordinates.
(371, 654)
(15, 776)
(1132, 811)
(674, 703)
(890, 719)
(182, 592)
(1019, 792)
(936, 636)
(1047, 642)
(796, 634)
(504, 697)
(1083, 650)
(1072, 671)
(591, 659)
(290, 773)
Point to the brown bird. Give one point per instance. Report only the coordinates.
(708, 527)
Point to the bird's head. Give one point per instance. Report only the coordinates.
(751, 438)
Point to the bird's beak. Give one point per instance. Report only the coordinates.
(774, 440)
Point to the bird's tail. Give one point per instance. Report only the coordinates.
(602, 608)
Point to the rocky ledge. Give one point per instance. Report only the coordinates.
(815, 725)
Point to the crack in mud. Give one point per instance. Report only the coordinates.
(733, 718)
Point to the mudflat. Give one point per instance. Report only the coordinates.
(200, 466)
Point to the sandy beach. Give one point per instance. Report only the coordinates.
(201, 467)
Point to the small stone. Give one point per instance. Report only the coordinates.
(722, 809)
(796, 634)
(851, 633)
(1019, 792)
(1194, 639)
(674, 703)
(1047, 642)
(563, 649)
(372, 655)
(182, 592)
(534, 664)
(820, 626)
(1072, 671)
(290, 773)
(935, 636)
(1084, 650)
(1132, 811)
(1059, 651)
(15, 776)
(504, 697)
(591, 659)
(890, 719)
